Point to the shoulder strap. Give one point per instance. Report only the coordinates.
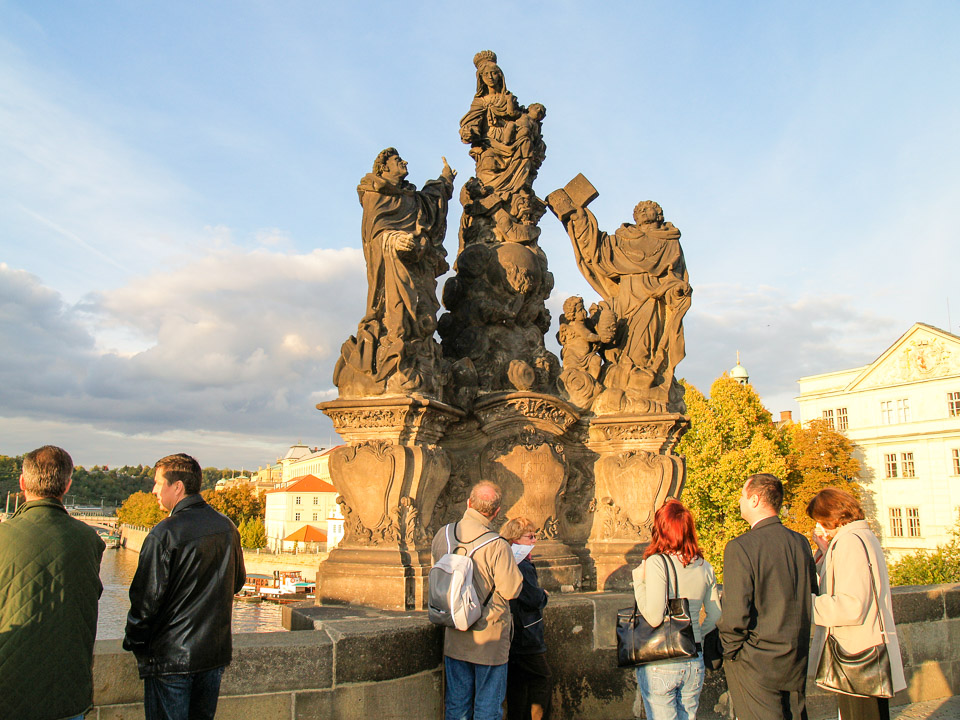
(496, 536)
(667, 564)
(873, 584)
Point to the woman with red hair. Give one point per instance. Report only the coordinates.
(671, 688)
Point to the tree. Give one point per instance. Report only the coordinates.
(930, 568)
(819, 457)
(253, 534)
(141, 508)
(731, 437)
(238, 503)
(10, 475)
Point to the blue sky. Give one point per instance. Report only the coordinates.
(179, 228)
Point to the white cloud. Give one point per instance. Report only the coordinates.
(236, 342)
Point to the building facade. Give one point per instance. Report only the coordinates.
(306, 502)
(903, 413)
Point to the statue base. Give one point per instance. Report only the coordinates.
(635, 472)
(385, 579)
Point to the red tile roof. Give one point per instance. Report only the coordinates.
(308, 533)
(306, 484)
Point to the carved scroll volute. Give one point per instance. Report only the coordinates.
(369, 476)
(430, 471)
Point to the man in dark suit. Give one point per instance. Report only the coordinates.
(768, 579)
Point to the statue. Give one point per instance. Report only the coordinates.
(640, 273)
(394, 351)
(497, 315)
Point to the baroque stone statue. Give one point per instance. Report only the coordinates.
(640, 273)
(394, 351)
(493, 330)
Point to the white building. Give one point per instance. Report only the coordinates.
(305, 501)
(903, 413)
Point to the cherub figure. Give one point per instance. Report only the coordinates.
(580, 343)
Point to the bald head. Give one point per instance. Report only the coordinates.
(485, 498)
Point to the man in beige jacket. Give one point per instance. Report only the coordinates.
(475, 660)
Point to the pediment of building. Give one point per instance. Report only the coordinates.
(922, 353)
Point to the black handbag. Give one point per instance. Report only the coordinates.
(638, 643)
(712, 650)
(863, 674)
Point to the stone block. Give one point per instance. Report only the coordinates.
(928, 681)
(951, 600)
(922, 603)
(115, 677)
(923, 642)
(420, 696)
(383, 649)
(132, 711)
(280, 661)
(271, 706)
(605, 607)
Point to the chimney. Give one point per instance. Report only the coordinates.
(786, 416)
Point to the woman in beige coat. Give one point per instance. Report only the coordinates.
(847, 605)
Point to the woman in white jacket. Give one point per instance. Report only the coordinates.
(847, 605)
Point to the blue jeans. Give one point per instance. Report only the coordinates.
(671, 691)
(186, 696)
(474, 692)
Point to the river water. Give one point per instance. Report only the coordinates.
(116, 572)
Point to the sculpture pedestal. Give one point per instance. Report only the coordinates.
(635, 472)
(389, 477)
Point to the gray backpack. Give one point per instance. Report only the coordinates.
(453, 598)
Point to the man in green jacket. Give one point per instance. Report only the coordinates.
(49, 589)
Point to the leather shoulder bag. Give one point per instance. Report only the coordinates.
(638, 643)
(865, 673)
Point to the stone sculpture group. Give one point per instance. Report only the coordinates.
(583, 447)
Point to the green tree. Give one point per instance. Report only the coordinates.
(141, 508)
(929, 568)
(9, 476)
(238, 503)
(253, 534)
(731, 437)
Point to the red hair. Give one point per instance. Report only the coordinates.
(674, 533)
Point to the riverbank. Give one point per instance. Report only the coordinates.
(255, 561)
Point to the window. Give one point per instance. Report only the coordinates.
(896, 522)
(314, 516)
(895, 411)
(956, 461)
(886, 412)
(842, 422)
(316, 500)
(903, 411)
(906, 464)
(296, 516)
(828, 417)
(913, 522)
(953, 403)
(298, 500)
(890, 462)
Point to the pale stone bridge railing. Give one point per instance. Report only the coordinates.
(351, 662)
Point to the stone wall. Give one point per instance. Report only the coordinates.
(350, 662)
(131, 537)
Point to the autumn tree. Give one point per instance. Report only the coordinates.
(930, 567)
(731, 437)
(238, 503)
(141, 508)
(818, 457)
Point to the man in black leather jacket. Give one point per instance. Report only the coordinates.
(181, 598)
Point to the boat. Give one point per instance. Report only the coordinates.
(288, 586)
(250, 592)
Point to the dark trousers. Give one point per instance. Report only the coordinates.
(187, 696)
(863, 708)
(529, 682)
(753, 702)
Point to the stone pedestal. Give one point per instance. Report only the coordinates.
(514, 441)
(635, 472)
(389, 476)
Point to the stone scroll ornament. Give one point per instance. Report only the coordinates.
(496, 320)
(394, 351)
(623, 355)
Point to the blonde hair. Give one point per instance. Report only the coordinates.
(515, 528)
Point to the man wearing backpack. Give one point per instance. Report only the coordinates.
(475, 659)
